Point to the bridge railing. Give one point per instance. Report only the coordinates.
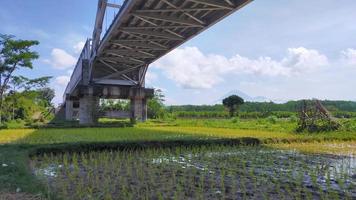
(108, 10)
(124, 8)
(76, 77)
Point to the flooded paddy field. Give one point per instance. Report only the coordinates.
(204, 172)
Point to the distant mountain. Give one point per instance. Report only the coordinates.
(243, 95)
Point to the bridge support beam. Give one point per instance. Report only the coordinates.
(84, 103)
(68, 110)
(138, 97)
(88, 109)
(138, 109)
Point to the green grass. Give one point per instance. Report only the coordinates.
(264, 124)
(282, 125)
(75, 135)
(331, 147)
(264, 136)
(16, 145)
(160, 133)
(16, 175)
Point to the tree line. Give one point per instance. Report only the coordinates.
(246, 110)
(290, 106)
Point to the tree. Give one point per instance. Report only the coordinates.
(22, 87)
(155, 106)
(115, 105)
(26, 84)
(46, 94)
(233, 103)
(16, 90)
(14, 54)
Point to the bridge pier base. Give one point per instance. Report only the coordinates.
(83, 104)
(68, 110)
(138, 109)
(88, 109)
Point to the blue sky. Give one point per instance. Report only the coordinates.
(279, 49)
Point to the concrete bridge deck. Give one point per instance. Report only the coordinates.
(115, 65)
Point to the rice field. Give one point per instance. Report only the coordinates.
(158, 133)
(200, 172)
(330, 147)
(87, 135)
(66, 163)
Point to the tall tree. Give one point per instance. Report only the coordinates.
(14, 55)
(155, 106)
(47, 94)
(233, 103)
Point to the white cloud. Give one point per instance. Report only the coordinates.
(61, 59)
(301, 60)
(264, 66)
(190, 68)
(151, 77)
(349, 56)
(62, 80)
(78, 47)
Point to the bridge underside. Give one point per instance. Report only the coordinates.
(142, 32)
(145, 30)
(82, 102)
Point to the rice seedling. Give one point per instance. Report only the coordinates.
(198, 172)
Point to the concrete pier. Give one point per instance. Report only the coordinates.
(86, 102)
(138, 109)
(88, 109)
(68, 110)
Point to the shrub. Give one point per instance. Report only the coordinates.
(13, 124)
(272, 119)
(235, 120)
(293, 118)
(282, 114)
(251, 115)
(349, 125)
(343, 114)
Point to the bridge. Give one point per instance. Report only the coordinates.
(113, 64)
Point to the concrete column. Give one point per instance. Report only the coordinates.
(88, 109)
(138, 109)
(85, 72)
(69, 110)
(144, 109)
